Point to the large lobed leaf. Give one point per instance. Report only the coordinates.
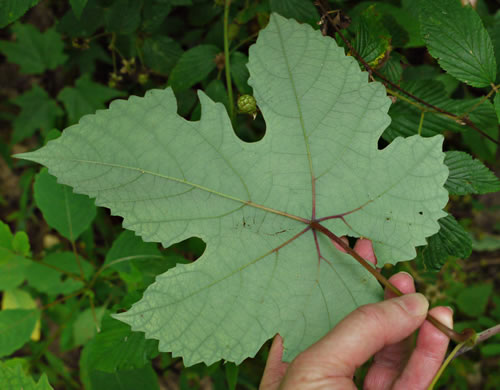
(264, 270)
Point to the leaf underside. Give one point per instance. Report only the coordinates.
(264, 270)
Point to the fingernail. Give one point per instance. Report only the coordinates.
(406, 273)
(450, 309)
(414, 304)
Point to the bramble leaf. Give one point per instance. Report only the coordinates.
(468, 176)
(11, 10)
(455, 35)
(264, 270)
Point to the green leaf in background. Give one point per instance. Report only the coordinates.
(16, 326)
(154, 13)
(456, 37)
(392, 68)
(216, 90)
(239, 72)
(14, 378)
(38, 111)
(494, 31)
(161, 53)
(231, 370)
(85, 326)
(193, 66)
(485, 118)
(468, 176)
(124, 16)
(140, 378)
(33, 51)
(77, 6)
(371, 38)
(13, 264)
(263, 270)
(129, 248)
(52, 281)
(406, 117)
(11, 10)
(91, 19)
(117, 348)
(472, 300)
(451, 240)
(496, 102)
(86, 97)
(302, 11)
(69, 213)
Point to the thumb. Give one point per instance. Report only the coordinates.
(360, 335)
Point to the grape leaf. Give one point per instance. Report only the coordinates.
(264, 270)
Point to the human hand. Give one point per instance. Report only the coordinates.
(381, 330)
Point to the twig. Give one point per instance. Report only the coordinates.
(324, 10)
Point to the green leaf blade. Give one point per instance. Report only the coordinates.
(34, 52)
(16, 326)
(11, 10)
(468, 176)
(456, 36)
(70, 214)
(264, 271)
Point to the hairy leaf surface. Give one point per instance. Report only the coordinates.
(264, 269)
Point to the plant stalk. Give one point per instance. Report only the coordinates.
(466, 336)
(227, 66)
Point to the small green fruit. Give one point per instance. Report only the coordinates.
(247, 105)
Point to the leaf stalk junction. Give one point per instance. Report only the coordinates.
(468, 336)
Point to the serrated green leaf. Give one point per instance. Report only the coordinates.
(302, 11)
(161, 53)
(472, 300)
(494, 31)
(456, 37)
(468, 176)
(154, 13)
(193, 66)
(13, 378)
(372, 40)
(12, 262)
(92, 18)
(16, 326)
(496, 102)
(52, 281)
(392, 68)
(239, 72)
(406, 117)
(451, 240)
(33, 51)
(117, 348)
(124, 16)
(77, 6)
(485, 118)
(171, 179)
(86, 97)
(38, 111)
(69, 213)
(11, 10)
(216, 90)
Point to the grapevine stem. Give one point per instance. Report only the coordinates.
(465, 336)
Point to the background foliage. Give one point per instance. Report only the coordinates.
(65, 265)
